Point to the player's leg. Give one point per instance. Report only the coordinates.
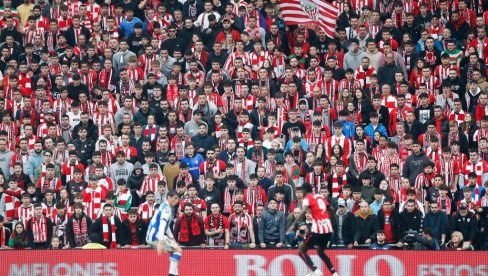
(302, 252)
(174, 260)
(320, 250)
(175, 257)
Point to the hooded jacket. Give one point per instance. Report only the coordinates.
(365, 226)
(134, 183)
(352, 60)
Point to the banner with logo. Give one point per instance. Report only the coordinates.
(240, 262)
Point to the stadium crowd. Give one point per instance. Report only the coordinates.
(105, 106)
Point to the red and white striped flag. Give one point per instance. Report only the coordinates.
(311, 11)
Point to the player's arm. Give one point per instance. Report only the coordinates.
(300, 216)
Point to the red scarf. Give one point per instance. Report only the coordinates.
(185, 230)
(336, 189)
(2, 237)
(243, 169)
(258, 157)
(39, 229)
(113, 243)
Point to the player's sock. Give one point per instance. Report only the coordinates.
(326, 260)
(307, 260)
(174, 259)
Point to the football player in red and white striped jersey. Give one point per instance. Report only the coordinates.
(321, 229)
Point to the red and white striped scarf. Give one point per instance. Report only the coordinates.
(254, 196)
(146, 211)
(395, 183)
(360, 161)
(106, 238)
(447, 173)
(95, 202)
(269, 167)
(336, 188)
(39, 229)
(228, 200)
(258, 157)
(227, 103)
(444, 205)
(48, 184)
(422, 182)
(150, 132)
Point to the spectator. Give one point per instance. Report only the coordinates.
(39, 229)
(466, 223)
(78, 227)
(411, 219)
(365, 224)
(134, 231)
(380, 241)
(5, 234)
(109, 227)
(438, 222)
(343, 225)
(457, 242)
(272, 227)
(390, 222)
(189, 229)
(217, 228)
(241, 228)
(18, 239)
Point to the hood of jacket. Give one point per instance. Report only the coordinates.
(364, 216)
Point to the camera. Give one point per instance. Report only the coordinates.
(302, 232)
(409, 239)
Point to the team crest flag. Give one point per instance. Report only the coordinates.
(320, 12)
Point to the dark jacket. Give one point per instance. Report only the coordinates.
(466, 225)
(365, 226)
(71, 38)
(463, 141)
(134, 183)
(206, 142)
(438, 222)
(376, 177)
(394, 221)
(347, 230)
(90, 126)
(386, 73)
(414, 166)
(415, 129)
(140, 232)
(85, 149)
(69, 228)
(97, 227)
(411, 221)
(30, 234)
